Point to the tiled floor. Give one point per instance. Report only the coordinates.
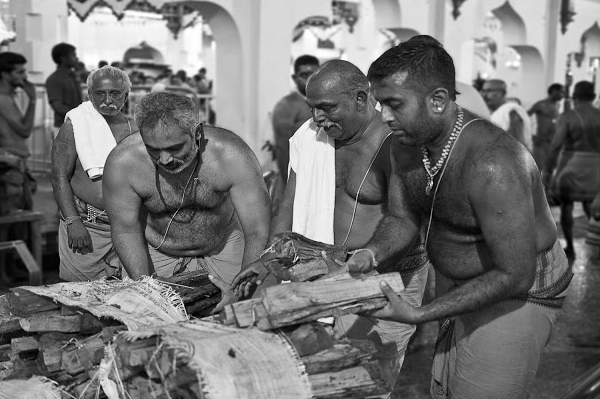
(575, 344)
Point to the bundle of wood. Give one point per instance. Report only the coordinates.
(294, 257)
(336, 369)
(39, 336)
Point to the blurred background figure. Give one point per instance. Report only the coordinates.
(508, 115)
(546, 115)
(574, 159)
(63, 86)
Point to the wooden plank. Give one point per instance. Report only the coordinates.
(340, 356)
(24, 303)
(54, 321)
(23, 345)
(6, 369)
(309, 338)
(289, 303)
(9, 324)
(83, 355)
(246, 313)
(356, 382)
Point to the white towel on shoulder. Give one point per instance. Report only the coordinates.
(93, 138)
(501, 118)
(312, 158)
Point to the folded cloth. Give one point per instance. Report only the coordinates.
(312, 158)
(501, 118)
(93, 138)
(577, 176)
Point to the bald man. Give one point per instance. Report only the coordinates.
(507, 115)
(348, 146)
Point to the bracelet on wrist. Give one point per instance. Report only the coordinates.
(375, 263)
(70, 219)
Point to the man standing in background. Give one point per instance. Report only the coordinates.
(546, 115)
(63, 85)
(291, 112)
(507, 115)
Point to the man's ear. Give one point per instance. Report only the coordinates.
(362, 100)
(438, 100)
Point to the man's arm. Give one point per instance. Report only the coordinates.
(64, 156)
(249, 197)
(55, 96)
(501, 197)
(124, 208)
(22, 124)
(397, 231)
(515, 128)
(557, 142)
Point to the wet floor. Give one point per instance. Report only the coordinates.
(573, 349)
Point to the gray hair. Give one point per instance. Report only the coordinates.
(110, 72)
(166, 108)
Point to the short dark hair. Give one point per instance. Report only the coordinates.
(8, 60)
(554, 87)
(424, 59)
(305, 59)
(584, 91)
(61, 50)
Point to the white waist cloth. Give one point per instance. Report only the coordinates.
(312, 158)
(93, 138)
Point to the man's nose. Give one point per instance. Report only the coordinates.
(386, 114)
(317, 115)
(165, 158)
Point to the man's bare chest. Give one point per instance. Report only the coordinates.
(167, 195)
(356, 174)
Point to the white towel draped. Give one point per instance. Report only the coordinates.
(312, 158)
(501, 118)
(93, 138)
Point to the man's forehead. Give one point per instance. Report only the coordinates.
(393, 85)
(109, 81)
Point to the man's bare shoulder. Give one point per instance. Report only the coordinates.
(491, 153)
(221, 141)
(130, 152)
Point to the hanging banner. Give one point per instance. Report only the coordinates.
(82, 8)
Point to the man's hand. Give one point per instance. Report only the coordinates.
(396, 310)
(361, 262)
(29, 89)
(79, 238)
(253, 274)
(595, 208)
(227, 294)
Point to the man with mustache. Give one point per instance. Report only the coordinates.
(491, 237)
(79, 153)
(337, 193)
(183, 196)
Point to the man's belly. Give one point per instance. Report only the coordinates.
(189, 233)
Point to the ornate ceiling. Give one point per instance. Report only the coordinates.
(82, 8)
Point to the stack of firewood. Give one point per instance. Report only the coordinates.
(39, 336)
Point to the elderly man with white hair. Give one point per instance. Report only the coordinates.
(79, 152)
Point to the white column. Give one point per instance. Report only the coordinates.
(552, 27)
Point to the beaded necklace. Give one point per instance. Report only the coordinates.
(433, 171)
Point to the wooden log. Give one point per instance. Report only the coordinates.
(54, 321)
(339, 357)
(355, 382)
(5, 352)
(83, 355)
(309, 338)
(6, 369)
(245, 313)
(291, 303)
(24, 346)
(51, 346)
(25, 303)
